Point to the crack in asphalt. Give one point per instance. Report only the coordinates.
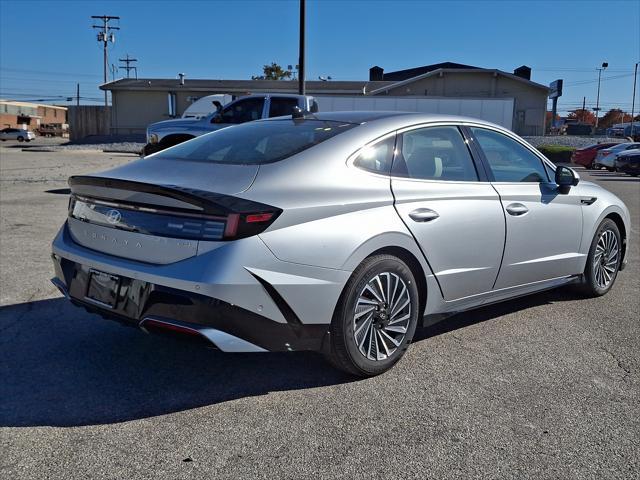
(621, 365)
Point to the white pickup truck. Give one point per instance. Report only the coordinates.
(161, 135)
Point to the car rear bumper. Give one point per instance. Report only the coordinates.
(228, 327)
(238, 296)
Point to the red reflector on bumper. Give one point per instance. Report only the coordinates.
(259, 217)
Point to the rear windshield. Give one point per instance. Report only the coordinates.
(256, 143)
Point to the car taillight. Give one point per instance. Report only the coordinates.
(165, 223)
(248, 224)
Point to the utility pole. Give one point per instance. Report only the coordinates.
(301, 85)
(105, 37)
(77, 94)
(633, 101)
(127, 61)
(597, 109)
(584, 105)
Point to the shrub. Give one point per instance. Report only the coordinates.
(557, 153)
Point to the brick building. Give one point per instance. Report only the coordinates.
(37, 117)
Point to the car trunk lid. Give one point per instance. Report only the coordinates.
(161, 212)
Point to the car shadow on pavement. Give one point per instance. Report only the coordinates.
(60, 366)
(478, 315)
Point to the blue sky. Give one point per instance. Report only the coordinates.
(46, 47)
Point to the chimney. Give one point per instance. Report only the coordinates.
(181, 75)
(523, 72)
(376, 74)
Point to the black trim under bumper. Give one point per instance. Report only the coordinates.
(137, 300)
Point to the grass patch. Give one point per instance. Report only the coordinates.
(557, 153)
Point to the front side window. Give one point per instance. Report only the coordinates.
(241, 111)
(435, 153)
(377, 158)
(281, 106)
(508, 160)
(256, 143)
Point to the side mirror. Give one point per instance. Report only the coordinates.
(566, 178)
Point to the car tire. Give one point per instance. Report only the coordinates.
(376, 317)
(611, 169)
(20, 139)
(603, 261)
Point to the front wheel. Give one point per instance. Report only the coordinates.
(603, 262)
(376, 317)
(20, 139)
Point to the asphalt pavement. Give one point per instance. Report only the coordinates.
(545, 386)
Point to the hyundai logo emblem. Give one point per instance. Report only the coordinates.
(114, 217)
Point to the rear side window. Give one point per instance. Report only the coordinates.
(282, 106)
(241, 111)
(508, 160)
(256, 143)
(435, 153)
(377, 158)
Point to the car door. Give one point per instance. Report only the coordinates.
(450, 208)
(544, 227)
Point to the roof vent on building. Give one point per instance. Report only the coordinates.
(376, 74)
(181, 76)
(523, 72)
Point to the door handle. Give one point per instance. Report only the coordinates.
(423, 215)
(516, 209)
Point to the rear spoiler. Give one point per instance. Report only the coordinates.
(210, 203)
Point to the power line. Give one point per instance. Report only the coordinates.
(46, 72)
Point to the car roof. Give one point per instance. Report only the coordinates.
(408, 118)
(625, 144)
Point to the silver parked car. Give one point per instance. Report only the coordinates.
(337, 232)
(18, 134)
(607, 156)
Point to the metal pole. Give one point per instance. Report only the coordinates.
(301, 85)
(633, 101)
(598, 99)
(77, 94)
(584, 105)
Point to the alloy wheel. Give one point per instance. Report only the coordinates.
(605, 260)
(382, 315)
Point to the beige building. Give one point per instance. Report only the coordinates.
(138, 102)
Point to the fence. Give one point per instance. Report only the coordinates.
(87, 120)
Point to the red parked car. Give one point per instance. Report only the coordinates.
(585, 156)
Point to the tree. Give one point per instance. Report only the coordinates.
(273, 72)
(613, 116)
(582, 116)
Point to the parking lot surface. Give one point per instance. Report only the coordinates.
(546, 386)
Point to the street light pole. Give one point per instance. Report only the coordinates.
(633, 101)
(604, 65)
(301, 84)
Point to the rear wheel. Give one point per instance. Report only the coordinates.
(376, 317)
(611, 169)
(604, 259)
(20, 138)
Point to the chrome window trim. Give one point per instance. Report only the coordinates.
(351, 158)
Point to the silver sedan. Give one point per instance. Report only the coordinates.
(337, 232)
